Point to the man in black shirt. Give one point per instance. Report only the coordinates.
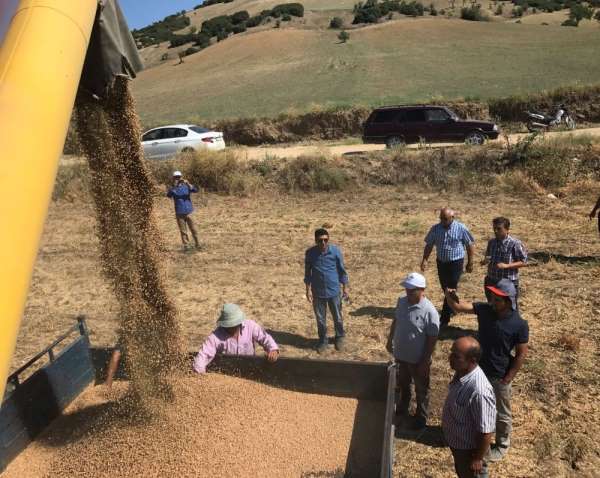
(501, 329)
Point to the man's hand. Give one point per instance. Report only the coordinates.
(309, 295)
(469, 267)
(502, 266)
(423, 265)
(476, 465)
(273, 355)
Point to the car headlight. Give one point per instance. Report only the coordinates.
(495, 127)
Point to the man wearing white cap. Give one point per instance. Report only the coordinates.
(180, 193)
(412, 339)
(234, 335)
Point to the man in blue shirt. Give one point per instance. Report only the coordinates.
(450, 239)
(323, 273)
(500, 329)
(180, 193)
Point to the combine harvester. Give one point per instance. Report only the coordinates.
(50, 49)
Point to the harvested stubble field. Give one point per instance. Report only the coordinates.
(254, 256)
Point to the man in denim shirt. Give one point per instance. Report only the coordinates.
(323, 273)
(180, 193)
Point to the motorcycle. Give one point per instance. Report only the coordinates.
(541, 122)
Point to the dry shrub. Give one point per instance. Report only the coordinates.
(312, 174)
(222, 172)
(72, 182)
(517, 182)
(569, 342)
(575, 449)
(583, 101)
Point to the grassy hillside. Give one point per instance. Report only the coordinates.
(408, 60)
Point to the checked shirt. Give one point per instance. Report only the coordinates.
(508, 250)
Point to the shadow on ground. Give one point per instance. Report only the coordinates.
(374, 311)
(452, 333)
(430, 436)
(544, 257)
(288, 338)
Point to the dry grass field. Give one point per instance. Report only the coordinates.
(292, 69)
(254, 256)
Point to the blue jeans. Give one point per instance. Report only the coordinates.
(320, 305)
(449, 274)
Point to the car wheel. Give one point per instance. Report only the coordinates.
(475, 138)
(394, 142)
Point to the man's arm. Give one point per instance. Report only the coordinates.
(307, 275)
(484, 441)
(389, 346)
(521, 352)
(455, 305)
(596, 207)
(266, 341)
(342, 274)
(426, 254)
(520, 256)
(425, 362)
(206, 354)
(113, 365)
(470, 255)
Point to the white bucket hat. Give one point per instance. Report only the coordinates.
(414, 280)
(231, 316)
(177, 173)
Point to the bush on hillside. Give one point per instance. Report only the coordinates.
(217, 25)
(570, 22)
(160, 31)
(579, 12)
(499, 10)
(473, 14)
(336, 22)
(239, 17)
(222, 35)
(343, 36)
(293, 9)
(254, 21)
(286, 18)
(432, 10)
(372, 10)
(239, 28)
(191, 51)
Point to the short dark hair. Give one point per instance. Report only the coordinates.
(474, 352)
(501, 221)
(321, 232)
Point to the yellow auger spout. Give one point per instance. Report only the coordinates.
(41, 61)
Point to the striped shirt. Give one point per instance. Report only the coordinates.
(449, 242)
(510, 249)
(469, 411)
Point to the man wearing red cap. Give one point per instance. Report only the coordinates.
(501, 329)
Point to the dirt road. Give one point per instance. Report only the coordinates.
(262, 152)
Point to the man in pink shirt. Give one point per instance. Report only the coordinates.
(234, 335)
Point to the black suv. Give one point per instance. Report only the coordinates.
(397, 125)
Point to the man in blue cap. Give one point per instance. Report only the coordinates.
(501, 329)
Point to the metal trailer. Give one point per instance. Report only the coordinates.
(30, 405)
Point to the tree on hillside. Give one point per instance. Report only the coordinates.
(343, 36)
(336, 22)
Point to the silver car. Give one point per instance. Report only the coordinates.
(160, 143)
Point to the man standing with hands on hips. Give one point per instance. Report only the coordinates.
(450, 239)
(324, 271)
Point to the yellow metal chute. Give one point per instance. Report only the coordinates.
(41, 59)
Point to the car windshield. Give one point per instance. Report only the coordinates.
(198, 129)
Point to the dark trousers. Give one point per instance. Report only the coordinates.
(462, 464)
(407, 373)
(490, 281)
(449, 274)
